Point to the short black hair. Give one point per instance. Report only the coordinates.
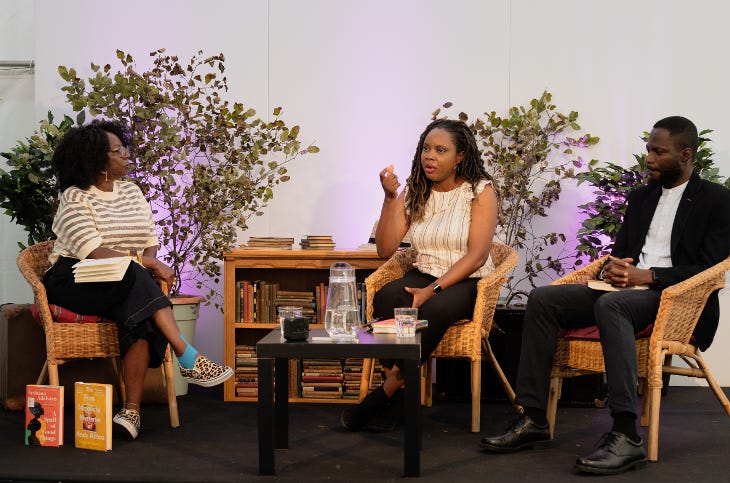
(83, 152)
(682, 130)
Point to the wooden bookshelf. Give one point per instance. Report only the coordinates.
(296, 270)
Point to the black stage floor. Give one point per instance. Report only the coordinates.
(218, 442)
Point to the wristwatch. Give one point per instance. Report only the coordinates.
(436, 287)
(654, 276)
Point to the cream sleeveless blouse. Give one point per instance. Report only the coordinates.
(441, 237)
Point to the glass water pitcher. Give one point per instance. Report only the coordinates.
(342, 318)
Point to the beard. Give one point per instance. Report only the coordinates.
(669, 177)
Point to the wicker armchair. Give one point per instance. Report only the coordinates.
(464, 340)
(67, 341)
(679, 309)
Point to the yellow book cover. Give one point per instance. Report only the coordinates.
(43, 415)
(93, 416)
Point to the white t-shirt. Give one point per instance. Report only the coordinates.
(656, 251)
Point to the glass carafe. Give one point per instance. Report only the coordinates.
(342, 318)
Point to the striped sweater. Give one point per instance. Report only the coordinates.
(88, 219)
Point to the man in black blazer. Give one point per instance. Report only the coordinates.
(675, 227)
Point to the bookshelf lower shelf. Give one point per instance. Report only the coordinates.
(293, 270)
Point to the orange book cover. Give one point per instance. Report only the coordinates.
(93, 416)
(43, 415)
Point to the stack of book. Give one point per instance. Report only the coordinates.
(352, 372)
(247, 376)
(305, 300)
(317, 242)
(321, 379)
(101, 269)
(377, 376)
(269, 242)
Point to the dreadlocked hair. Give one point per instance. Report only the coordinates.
(471, 168)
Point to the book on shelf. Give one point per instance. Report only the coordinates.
(43, 415)
(101, 269)
(247, 391)
(93, 416)
(607, 287)
(387, 326)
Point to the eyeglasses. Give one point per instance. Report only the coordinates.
(122, 151)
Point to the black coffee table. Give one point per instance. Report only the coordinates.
(273, 364)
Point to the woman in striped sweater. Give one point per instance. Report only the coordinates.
(102, 216)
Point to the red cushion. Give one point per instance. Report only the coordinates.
(591, 333)
(63, 315)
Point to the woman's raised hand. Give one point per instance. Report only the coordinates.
(389, 182)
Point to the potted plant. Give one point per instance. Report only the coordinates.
(611, 185)
(528, 153)
(205, 164)
(28, 190)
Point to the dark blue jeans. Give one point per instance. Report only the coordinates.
(619, 315)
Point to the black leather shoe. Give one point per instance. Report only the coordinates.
(357, 417)
(615, 453)
(391, 417)
(523, 434)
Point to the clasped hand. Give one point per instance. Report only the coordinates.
(620, 272)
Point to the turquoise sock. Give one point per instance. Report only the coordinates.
(187, 360)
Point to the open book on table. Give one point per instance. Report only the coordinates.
(607, 287)
(101, 269)
(387, 326)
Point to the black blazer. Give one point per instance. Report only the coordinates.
(700, 239)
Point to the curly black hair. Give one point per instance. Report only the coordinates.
(471, 168)
(83, 152)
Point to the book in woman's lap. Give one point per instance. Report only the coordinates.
(101, 269)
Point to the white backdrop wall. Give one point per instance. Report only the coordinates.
(362, 79)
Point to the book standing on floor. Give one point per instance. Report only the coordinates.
(93, 416)
(43, 415)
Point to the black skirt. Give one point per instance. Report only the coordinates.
(129, 302)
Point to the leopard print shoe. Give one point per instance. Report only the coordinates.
(129, 419)
(205, 372)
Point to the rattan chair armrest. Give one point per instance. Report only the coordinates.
(394, 268)
(582, 275)
(489, 286)
(682, 303)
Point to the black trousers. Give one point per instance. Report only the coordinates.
(451, 305)
(619, 315)
(129, 302)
